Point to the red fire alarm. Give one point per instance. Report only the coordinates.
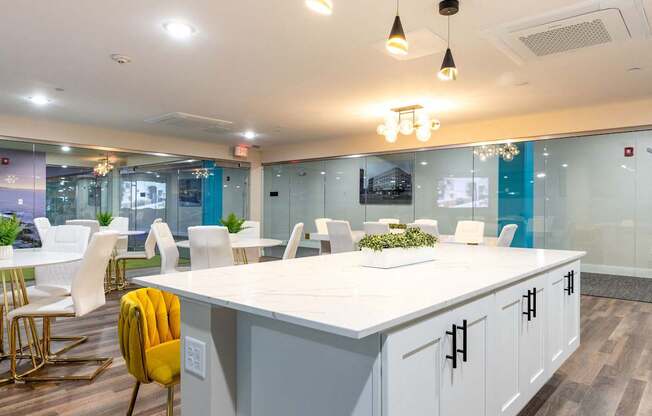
(629, 152)
(4, 160)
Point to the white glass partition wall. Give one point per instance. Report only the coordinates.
(585, 193)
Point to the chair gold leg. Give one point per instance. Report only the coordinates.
(134, 395)
(170, 411)
(48, 359)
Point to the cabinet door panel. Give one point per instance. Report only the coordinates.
(506, 391)
(572, 312)
(411, 369)
(556, 344)
(533, 338)
(464, 389)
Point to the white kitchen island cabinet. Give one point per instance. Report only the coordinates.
(476, 332)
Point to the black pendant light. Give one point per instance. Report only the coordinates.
(397, 43)
(448, 71)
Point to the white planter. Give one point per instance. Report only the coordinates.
(396, 257)
(6, 252)
(104, 228)
(234, 237)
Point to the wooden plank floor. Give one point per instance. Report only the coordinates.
(610, 374)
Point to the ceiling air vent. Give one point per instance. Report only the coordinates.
(583, 25)
(191, 122)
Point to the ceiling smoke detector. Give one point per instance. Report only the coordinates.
(121, 59)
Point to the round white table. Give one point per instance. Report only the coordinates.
(239, 244)
(14, 295)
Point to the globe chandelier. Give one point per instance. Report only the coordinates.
(408, 120)
(506, 151)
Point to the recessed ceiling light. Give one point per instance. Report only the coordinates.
(65, 148)
(320, 6)
(64, 166)
(249, 135)
(161, 154)
(178, 29)
(39, 100)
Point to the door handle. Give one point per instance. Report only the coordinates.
(529, 305)
(453, 356)
(569, 288)
(464, 329)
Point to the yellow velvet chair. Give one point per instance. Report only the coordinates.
(149, 330)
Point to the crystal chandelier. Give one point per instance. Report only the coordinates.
(201, 173)
(103, 168)
(407, 120)
(506, 151)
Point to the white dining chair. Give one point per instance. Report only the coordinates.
(320, 225)
(56, 279)
(146, 254)
(389, 220)
(506, 235)
(251, 230)
(42, 225)
(429, 227)
(167, 248)
(340, 236)
(293, 243)
(210, 246)
(94, 225)
(120, 224)
(86, 295)
(375, 228)
(469, 232)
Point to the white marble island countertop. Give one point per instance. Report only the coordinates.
(333, 293)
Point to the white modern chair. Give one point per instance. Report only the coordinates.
(166, 247)
(210, 246)
(86, 295)
(469, 232)
(389, 220)
(251, 230)
(375, 228)
(120, 224)
(293, 242)
(42, 225)
(506, 235)
(94, 225)
(320, 225)
(148, 252)
(56, 279)
(429, 227)
(340, 236)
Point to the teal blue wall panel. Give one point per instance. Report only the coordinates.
(212, 194)
(516, 194)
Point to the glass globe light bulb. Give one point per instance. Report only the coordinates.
(423, 134)
(406, 127)
(381, 129)
(391, 136)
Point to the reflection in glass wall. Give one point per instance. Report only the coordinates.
(64, 183)
(583, 193)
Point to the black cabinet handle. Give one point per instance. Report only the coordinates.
(572, 279)
(529, 305)
(569, 288)
(534, 302)
(453, 357)
(464, 329)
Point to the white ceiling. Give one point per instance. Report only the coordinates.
(281, 70)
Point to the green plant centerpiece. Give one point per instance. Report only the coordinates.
(233, 223)
(397, 226)
(9, 229)
(411, 238)
(104, 218)
(389, 250)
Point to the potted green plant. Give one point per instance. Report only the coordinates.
(233, 224)
(104, 218)
(9, 229)
(389, 250)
